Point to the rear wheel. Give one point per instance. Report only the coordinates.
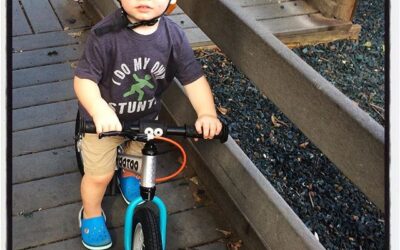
(77, 140)
(146, 231)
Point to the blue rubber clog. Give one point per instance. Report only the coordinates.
(94, 232)
(129, 187)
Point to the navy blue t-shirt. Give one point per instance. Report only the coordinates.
(133, 70)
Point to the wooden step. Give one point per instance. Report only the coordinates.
(43, 138)
(41, 74)
(46, 56)
(20, 25)
(41, 15)
(44, 40)
(43, 164)
(40, 94)
(44, 115)
(185, 229)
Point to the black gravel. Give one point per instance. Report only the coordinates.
(327, 202)
(356, 68)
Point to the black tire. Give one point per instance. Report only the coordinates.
(77, 153)
(147, 220)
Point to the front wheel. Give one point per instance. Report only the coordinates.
(146, 231)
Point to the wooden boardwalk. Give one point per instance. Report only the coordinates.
(48, 37)
(294, 22)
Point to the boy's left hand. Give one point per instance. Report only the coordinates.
(208, 125)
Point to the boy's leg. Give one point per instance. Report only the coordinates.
(99, 157)
(92, 192)
(127, 181)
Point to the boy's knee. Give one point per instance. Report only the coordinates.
(102, 179)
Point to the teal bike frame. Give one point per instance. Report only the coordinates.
(129, 220)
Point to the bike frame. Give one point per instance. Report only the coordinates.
(141, 165)
(144, 165)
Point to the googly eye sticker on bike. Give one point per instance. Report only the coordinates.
(152, 133)
(149, 132)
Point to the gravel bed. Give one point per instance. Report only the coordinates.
(356, 68)
(327, 202)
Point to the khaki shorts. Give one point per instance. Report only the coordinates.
(99, 155)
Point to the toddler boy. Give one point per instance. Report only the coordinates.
(130, 58)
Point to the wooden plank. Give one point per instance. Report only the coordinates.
(280, 10)
(46, 56)
(44, 40)
(20, 25)
(54, 191)
(345, 9)
(71, 14)
(197, 38)
(303, 24)
(183, 21)
(76, 243)
(191, 228)
(42, 74)
(176, 196)
(41, 15)
(245, 3)
(116, 235)
(340, 9)
(42, 139)
(200, 220)
(212, 246)
(299, 40)
(185, 229)
(50, 225)
(43, 94)
(326, 7)
(43, 115)
(31, 167)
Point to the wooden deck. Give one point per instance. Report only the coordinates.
(294, 22)
(48, 38)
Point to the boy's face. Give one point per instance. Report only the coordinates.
(140, 10)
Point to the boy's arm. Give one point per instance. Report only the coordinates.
(89, 96)
(201, 98)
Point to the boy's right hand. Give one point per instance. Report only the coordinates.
(106, 120)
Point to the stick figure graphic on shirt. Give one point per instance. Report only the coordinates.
(139, 85)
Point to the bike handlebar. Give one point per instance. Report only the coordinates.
(132, 130)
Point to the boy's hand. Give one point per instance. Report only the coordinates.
(106, 120)
(208, 125)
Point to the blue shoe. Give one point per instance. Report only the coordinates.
(129, 187)
(94, 232)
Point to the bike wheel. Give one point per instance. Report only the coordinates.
(146, 231)
(77, 153)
